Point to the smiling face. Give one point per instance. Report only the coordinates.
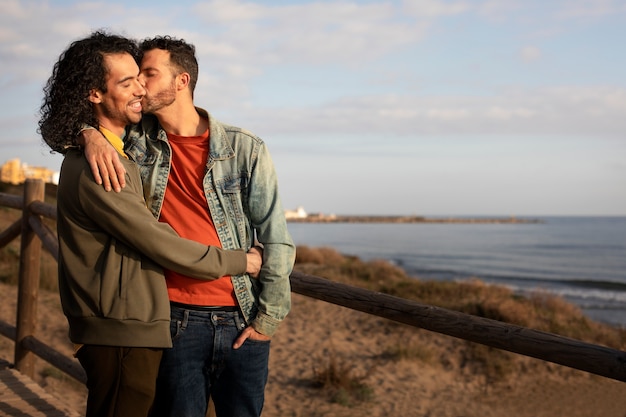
(159, 78)
(121, 103)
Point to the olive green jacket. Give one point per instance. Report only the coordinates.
(111, 254)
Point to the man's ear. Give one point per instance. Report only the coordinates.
(95, 96)
(182, 80)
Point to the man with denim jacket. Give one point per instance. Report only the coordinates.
(217, 352)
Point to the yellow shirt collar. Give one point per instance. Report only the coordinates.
(114, 140)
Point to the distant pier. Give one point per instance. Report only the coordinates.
(320, 218)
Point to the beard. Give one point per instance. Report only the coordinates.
(153, 103)
(123, 116)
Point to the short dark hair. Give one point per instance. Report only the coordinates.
(80, 69)
(182, 55)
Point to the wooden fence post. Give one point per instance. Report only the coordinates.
(28, 284)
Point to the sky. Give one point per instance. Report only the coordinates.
(416, 107)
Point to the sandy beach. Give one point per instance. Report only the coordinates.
(436, 382)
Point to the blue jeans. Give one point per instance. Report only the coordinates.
(203, 364)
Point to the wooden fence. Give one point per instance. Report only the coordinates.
(595, 359)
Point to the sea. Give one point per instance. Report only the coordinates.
(582, 259)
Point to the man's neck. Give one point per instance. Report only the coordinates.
(182, 119)
(112, 125)
(116, 130)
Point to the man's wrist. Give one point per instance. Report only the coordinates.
(81, 139)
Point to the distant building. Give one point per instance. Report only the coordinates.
(15, 172)
(298, 213)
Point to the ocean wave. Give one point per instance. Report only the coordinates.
(602, 297)
(580, 290)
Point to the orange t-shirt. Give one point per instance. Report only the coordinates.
(185, 209)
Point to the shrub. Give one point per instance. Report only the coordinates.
(341, 382)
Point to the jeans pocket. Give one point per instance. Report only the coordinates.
(259, 343)
(177, 327)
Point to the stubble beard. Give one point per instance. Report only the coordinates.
(124, 117)
(162, 99)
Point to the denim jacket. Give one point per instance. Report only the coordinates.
(241, 190)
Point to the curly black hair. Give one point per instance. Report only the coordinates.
(182, 55)
(80, 69)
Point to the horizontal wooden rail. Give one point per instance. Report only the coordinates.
(47, 353)
(11, 201)
(7, 330)
(43, 209)
(54, 357)
(599, 360)
(10, 233)
(47, 236)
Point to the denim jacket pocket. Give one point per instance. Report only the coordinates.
(233, 191)
(233, 184)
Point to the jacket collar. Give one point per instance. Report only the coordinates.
(219, 145)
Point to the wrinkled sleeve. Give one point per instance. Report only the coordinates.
(268, 220)
(124, 216)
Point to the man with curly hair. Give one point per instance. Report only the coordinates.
(111, 248)
(216, 184)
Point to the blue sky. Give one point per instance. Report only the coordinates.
(427, 107)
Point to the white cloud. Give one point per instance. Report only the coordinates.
(221, 11)
(435, 8)
(446, 115)
(569, 111)
(591, 8)
(497, 113)
(15, 9)
(311, 33)
(530, 54)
